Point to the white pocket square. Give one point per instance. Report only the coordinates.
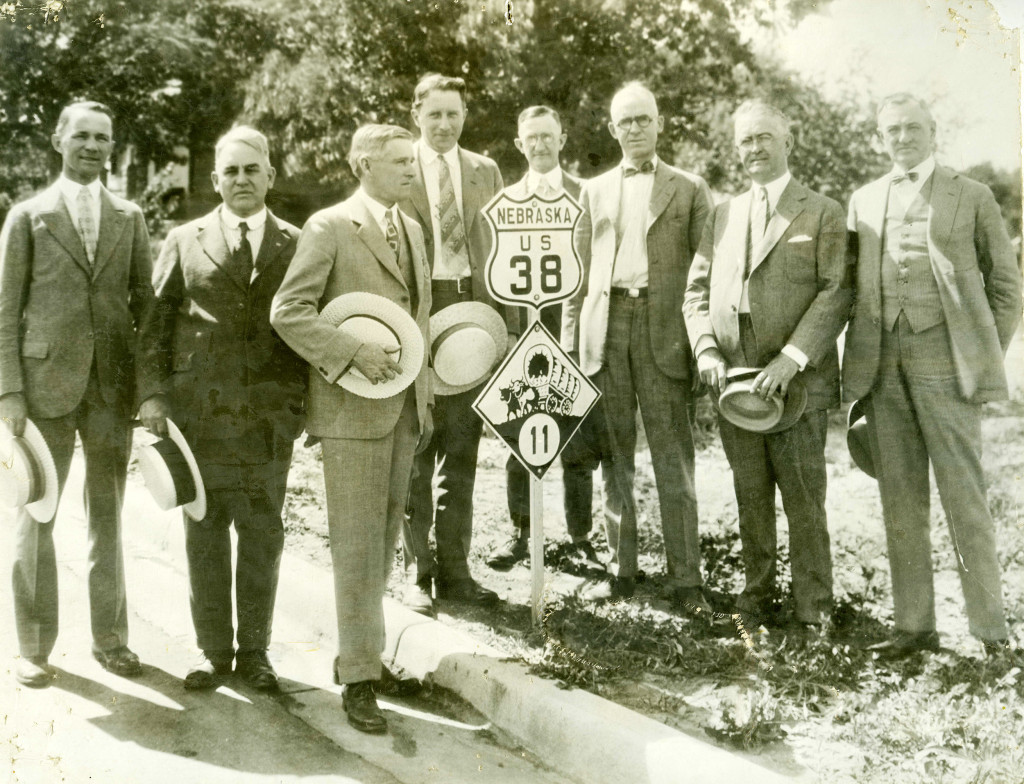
(801, 238)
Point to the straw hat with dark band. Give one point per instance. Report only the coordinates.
(467, 338)
(28, 475)
(171, 474)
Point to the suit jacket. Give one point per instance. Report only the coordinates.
(799, 288)
(341, 250)
(551, 316)
(481, 180)
(977, 274)
(59, 314)
(680, 203)
(208, 344)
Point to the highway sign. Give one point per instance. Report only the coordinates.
(533, 261)
(536, 400)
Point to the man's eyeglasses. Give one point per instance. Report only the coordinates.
(626, 123)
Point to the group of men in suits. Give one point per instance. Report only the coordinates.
(229, 341)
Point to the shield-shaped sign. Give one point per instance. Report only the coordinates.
(533, 260)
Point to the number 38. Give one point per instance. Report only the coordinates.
(550, 273)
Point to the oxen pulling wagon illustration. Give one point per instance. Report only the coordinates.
(549, 385)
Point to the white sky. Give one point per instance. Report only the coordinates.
(954, 54)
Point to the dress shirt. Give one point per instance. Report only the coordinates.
(774, 190)
(906, 190)
(257, 224)
(431, 169)
(69, 190)
(553, 178)
(630, 270)
(380, 212)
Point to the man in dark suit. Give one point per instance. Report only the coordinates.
(74, 283)
(211, 362)
(938, 300)
(450, 187)
(364, 244)
(640, 227)
(540, 139)
(768, 289)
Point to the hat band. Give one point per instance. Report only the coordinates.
(181, 473)
(37, 478)
(435, 344)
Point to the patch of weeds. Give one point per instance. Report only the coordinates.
(750, 721)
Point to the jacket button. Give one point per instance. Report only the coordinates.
(322, 371)
(875, 321)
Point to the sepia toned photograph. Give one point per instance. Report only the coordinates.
(511, 391)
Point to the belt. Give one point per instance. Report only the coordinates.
(631, 293)
(453, 285)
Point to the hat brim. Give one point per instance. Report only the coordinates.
(43, 509)
(796, 404)
(785, 413)
(857, 440)
(476, 314)
(196, 508)
(407, 332)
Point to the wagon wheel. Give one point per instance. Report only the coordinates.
(551, 405)
(566, 407)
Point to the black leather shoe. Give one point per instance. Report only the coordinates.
(995, 648)
(417, 597)
(119, 661)
(904, 644)
(34, 672)
(509, 554)
(605, 589)
(467, 591)
(582, 555)
(209, 671)
(690, 600)
(361, 706)
(255, 669)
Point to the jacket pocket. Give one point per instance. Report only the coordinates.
(36, 349)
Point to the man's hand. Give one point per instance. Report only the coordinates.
(712, 369)
(153, 413)
(776, 376)
(427, 432)
(14, 412)
(372, 361)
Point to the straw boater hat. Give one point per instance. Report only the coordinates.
(28, 476)
(857, 440)
(466, 339)
(750, 411)
(373, 318)
(171, 474)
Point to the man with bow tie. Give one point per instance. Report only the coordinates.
(74, 284)
(769, 289)
(938, 300)
(210, 360)
(540, 139)
(640, 227)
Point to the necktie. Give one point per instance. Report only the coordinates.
(760, 215)
(87, 224)
(647, 167)
(912, 176)
(391, 232)
(544, 189)
(243, 256)
(453, 236)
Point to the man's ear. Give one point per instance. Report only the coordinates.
(519, 145)
(55, 141)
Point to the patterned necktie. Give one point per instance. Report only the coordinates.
(647, 167)
(87, 224)
(760, 215)
(243, 256)
(391, 233)
(453, 235)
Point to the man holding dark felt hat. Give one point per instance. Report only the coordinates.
(769, 289)
(210, 360)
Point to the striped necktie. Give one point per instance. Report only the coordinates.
(243, 256)
(455, 255)
(87, 223)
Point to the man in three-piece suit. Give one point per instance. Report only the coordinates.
(364, 244)
(451, 185)
(211, 362)
(938, 299)
(74, 284)
(769, 289)
(540, 139)
(640, 227)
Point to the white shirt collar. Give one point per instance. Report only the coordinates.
(924, 169)
(774, 188)
(624, 164)
(70, 188)
(253, 221)
(553, 178)
(428, 155)
(378, 210)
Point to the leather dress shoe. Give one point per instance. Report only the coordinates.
(254, 668)
(903, 644)
(690, 599)
(996, 648)
(509, 554)
(468, 591)
(361, 706)
(607, 588)
(209, 671)
(34, 672)
(119, 661)
(582, 555)
(417, 597)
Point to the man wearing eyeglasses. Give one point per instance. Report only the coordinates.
(938, 300)
(641, 224)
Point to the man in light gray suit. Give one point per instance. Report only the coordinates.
(938, 300)
(74, 284)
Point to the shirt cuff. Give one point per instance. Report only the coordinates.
(796, 355)
(704, 342)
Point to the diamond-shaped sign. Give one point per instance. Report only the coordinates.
(536, 400)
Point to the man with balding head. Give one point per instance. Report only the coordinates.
(768, 289)
(640, 227)
(211, 362)
(938, 300)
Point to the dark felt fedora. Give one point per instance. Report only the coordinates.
(28, 475)
(750, 411)
(171, 474)
(857, 439)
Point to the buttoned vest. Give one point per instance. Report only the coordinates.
(407, 268)
(908, 283)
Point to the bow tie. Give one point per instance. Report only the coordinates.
(647, 167)
(912, 176)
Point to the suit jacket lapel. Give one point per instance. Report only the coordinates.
(661, 194)
(58, 221)
(470, 190)
(213, 243)
(273, 241)
(421, 270)
(112, 225)
(791, 204)
(419, 199)
(371, 235)
(942, 205)
(731, 255)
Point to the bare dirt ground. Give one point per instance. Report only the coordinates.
(821, 706)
